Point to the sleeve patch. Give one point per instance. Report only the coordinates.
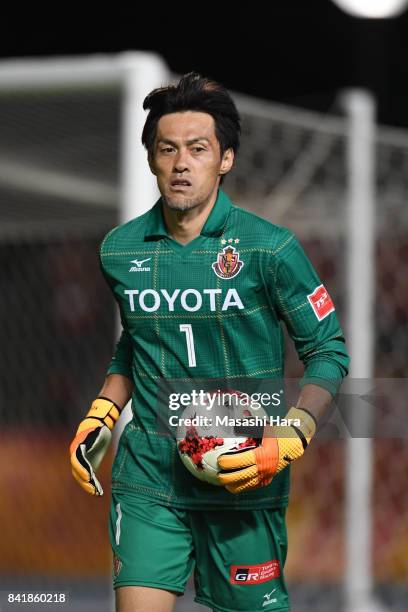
(321, 302)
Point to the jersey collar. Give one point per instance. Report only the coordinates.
(214, 225)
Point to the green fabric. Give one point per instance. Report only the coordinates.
(236, 323)
(226, 545)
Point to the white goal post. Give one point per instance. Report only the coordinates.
(360, 273)
(137, 73)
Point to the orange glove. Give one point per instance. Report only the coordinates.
(254, 468)
(91, 442)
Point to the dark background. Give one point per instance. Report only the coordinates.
(299, 52)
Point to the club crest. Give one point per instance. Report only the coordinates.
(228, 263)
(117, 565)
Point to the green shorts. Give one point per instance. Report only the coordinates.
(237, 556)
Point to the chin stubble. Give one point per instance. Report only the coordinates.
(181, 206)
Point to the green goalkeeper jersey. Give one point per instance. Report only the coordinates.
(210, 310)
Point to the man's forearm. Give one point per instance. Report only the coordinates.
(315, 399)
(117, 388)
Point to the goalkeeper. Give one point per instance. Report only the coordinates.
(203, 288)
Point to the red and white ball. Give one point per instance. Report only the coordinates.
(200, 444)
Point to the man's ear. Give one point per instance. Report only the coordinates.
(227, 161)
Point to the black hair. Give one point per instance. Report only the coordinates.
(194, 93)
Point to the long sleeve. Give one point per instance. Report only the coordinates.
(121, 362)
(305, 306)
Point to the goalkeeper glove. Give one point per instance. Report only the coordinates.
(91, 442)
(280, 446)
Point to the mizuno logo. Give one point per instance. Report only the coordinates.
(268, 599)
(138, 265)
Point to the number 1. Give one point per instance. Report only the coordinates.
(186, 328)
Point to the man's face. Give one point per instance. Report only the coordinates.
(187, 160)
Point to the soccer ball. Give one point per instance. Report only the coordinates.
(205, 433)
